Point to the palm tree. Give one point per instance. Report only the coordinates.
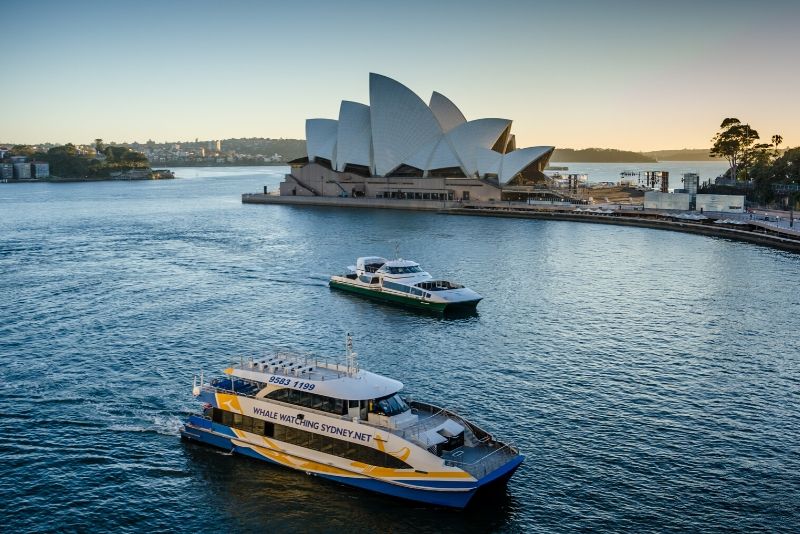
(777, 140)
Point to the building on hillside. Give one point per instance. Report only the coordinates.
(400, 147)
(6, 171)
(22, 171)
(40, 169)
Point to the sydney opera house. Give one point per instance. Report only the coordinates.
(400, 147)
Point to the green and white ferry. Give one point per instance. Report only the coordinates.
(404, 282)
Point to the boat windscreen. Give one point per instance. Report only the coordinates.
(389, 406)
(405, 270)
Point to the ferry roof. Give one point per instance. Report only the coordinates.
(401, 263)
(370, 259)
(329, 379)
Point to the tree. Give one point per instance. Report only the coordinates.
(22, 150)
(65, 161)
(733, 142)
(776, 141)
(98, 145)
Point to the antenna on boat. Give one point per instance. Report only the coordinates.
(397, 250)
(352, 363)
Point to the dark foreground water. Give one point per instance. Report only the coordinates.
(651, 378)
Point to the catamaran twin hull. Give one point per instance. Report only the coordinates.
(396, 297)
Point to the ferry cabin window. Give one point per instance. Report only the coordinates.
(309, 400)
(396, 287)
(242, 422)
(310, 440)
(405, 270)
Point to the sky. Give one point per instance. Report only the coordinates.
(634, 75)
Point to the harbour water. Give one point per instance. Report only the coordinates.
(651, 378)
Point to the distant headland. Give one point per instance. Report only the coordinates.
(267, 151)
(611, 155)
(69, 163)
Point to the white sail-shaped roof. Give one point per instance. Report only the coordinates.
(354, 137)
(422, 157)
(481, 133)
(488, 161)
(443, 156)
(448, 115)
(398, 128)
(512, 143)
(321, 138)
(401, 123)
(515, 161)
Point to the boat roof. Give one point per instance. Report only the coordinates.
(367, 260)
(330, 379)
(401, 263)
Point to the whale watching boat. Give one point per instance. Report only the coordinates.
(345, 424)
(404, 282)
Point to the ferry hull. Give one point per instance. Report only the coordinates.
(441, 493)
(408, 302)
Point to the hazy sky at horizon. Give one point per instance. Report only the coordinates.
(636, 75)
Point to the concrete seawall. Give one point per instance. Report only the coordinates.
(377, 203)
(771, 237)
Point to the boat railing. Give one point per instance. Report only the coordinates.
(295, 364)
(232, 390)
(431, 416)
(481, 435)
(487, 463)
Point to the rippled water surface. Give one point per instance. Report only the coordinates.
(651, 378)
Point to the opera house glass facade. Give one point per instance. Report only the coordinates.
(400, 147)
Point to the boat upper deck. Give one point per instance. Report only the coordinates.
(322, 376)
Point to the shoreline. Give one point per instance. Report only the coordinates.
(755, 232)
(155, 174)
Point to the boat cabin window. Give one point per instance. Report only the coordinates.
(309, 400)
(404, 270)
(396, 286)
(372, 267)
(389, 406)
(310, 440)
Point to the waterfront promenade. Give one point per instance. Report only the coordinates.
(754, 231)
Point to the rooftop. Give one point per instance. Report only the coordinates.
(329, 378)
